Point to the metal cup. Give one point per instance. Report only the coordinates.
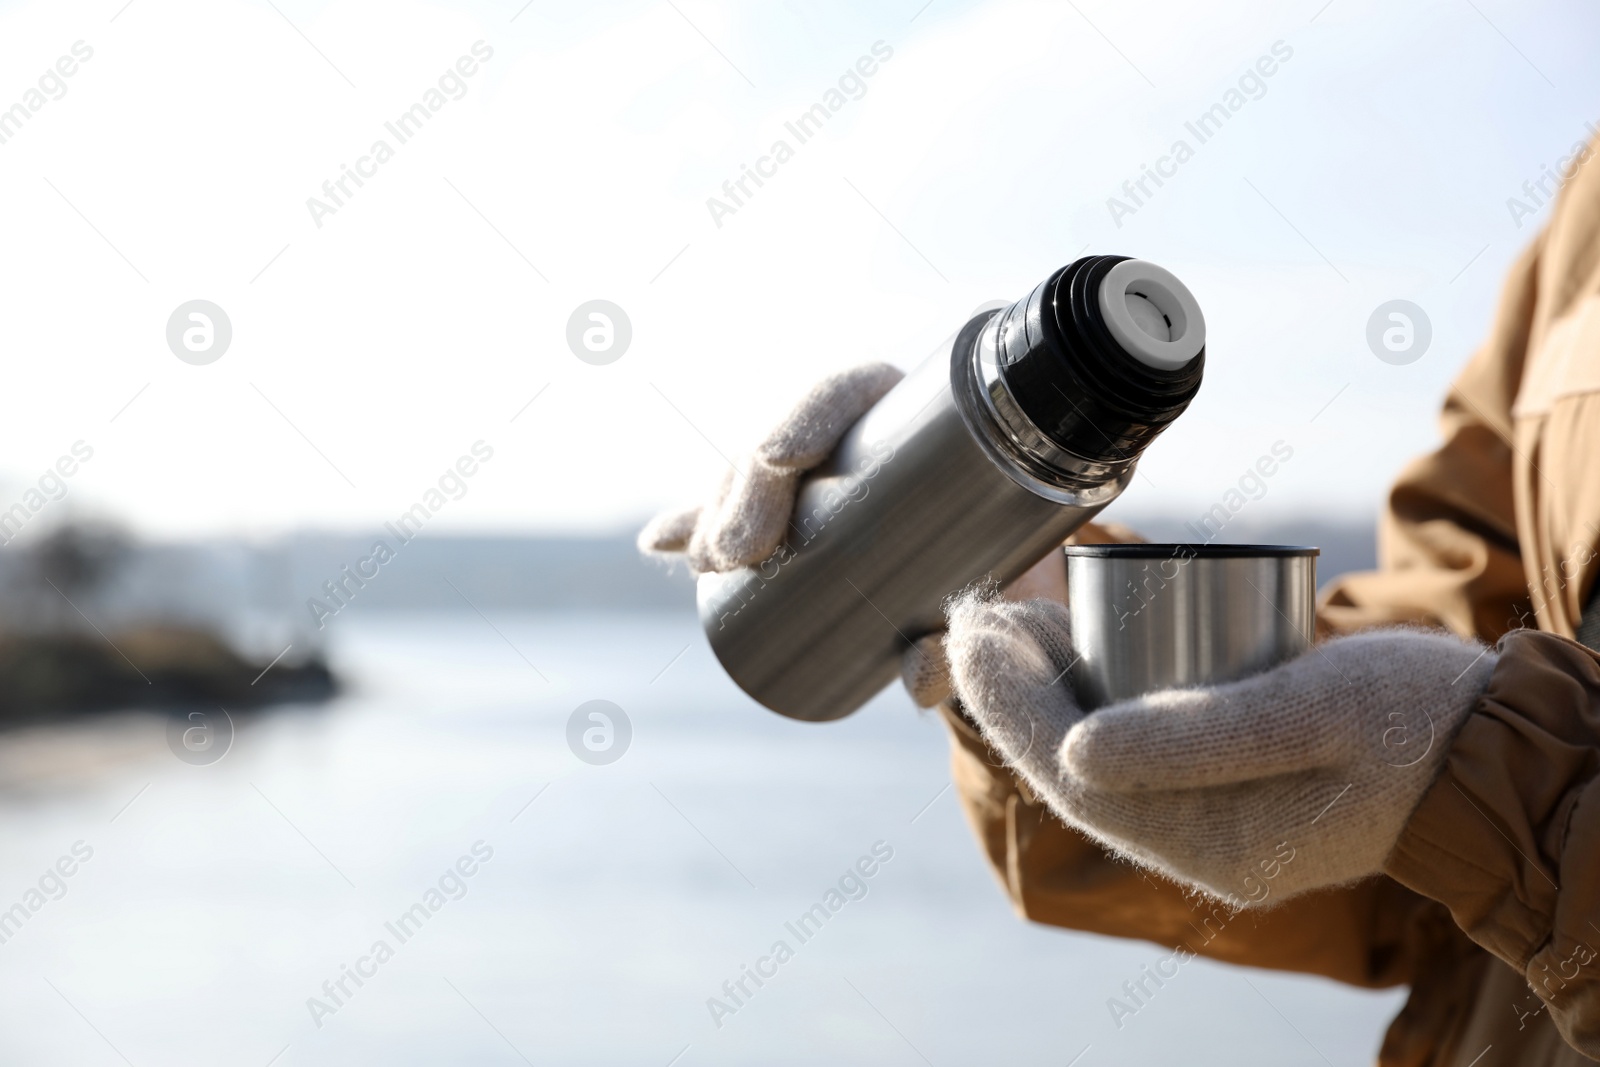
(1149, 617)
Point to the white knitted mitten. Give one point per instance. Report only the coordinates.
(746, 520)
(1294, 779)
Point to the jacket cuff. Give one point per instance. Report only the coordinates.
(1508, 836)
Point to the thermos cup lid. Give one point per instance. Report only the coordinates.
(1147, 617)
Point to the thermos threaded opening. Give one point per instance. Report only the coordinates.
(1103, 355)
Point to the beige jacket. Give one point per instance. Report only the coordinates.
(1490, 905)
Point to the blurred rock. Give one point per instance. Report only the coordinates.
(45, 675)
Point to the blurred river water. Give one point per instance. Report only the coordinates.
(535, 907)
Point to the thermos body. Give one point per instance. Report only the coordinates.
(947, 480)
(910, 508)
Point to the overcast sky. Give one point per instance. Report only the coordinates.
(374, 344)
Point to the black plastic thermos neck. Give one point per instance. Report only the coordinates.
(1076, 381)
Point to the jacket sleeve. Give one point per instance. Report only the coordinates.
(1447, 542)
(1508, 837)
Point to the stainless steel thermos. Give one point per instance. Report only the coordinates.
(988, 455)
